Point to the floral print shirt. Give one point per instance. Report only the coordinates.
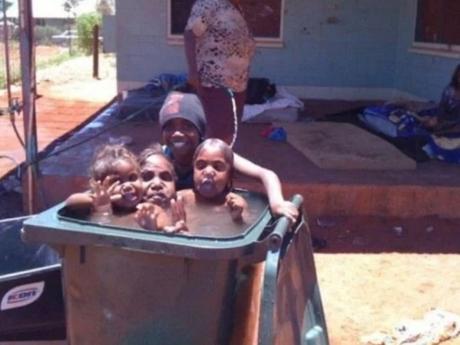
(224, 44)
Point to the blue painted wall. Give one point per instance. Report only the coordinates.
(334, 43)
(327, 43)
(419, 74)
(142, 50)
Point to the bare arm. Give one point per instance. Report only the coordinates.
(80, 202)
(98, 199)
(272, 186)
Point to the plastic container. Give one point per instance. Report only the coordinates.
(129, 286)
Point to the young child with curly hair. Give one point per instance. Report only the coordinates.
(114, 181)
(118, 184)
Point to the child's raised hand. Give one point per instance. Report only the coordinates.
(103, 192)
(178, 216)
(286, 209)
(237, 205)
(147, 215)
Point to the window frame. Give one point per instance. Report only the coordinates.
(269, 42)
(430, 48)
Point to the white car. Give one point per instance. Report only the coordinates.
(65, 36)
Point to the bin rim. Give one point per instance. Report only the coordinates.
(51, 228)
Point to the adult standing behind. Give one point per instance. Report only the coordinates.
(219, 47)
(447, 113)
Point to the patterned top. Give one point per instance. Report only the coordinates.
(224, 44)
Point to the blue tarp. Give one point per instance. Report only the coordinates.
(393, 121)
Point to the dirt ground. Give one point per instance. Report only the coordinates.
(376, 272)
(373, 271)
(43, 53)
(77, 82)
(72, 79)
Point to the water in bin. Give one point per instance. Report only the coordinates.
(207, 221)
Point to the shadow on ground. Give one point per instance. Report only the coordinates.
(366, 234)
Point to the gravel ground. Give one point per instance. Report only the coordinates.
(78, 69)
(74, 79)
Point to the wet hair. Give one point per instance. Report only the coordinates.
(454, 80)
(105, 159)
(155, 150)
(220, 145)
(227, 152)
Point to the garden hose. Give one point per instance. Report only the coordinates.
(235, 116)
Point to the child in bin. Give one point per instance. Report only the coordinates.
(158, 179)
(116, 185)
(212, 178)
(114, 181)
(183, 127)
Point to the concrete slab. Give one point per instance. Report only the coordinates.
(399, 193)
(332, 145)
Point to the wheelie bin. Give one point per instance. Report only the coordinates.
(130, 286)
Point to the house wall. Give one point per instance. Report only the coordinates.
(334, 43)
(332, 49)
(142, 49)
(109, 42)
(327, 43)
(419, 74)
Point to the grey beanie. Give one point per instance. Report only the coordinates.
(185, 106)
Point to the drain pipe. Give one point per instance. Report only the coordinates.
(27, 52)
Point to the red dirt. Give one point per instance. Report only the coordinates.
(375, 272)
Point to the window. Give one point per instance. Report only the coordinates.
(437, 29)
(265, 18)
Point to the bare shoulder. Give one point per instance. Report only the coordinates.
(187, 196)
(79, 200)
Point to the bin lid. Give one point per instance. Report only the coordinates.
(210, 237)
